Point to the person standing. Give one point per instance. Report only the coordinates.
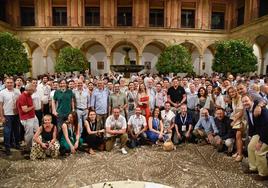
(176, 94)
(62, 103)
(9, 115)
(27, 114)
(82, 103)
(45, 88)
(258, 146)
(118, 99)
(99, 103)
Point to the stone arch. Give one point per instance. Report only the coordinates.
(59, 42)
(88, 43)
(150, 54)
(124, 43)
(96, 54)
(260, 47)
(31, 45)
(192, 44)
(159, 43)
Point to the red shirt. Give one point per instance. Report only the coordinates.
(25, 100)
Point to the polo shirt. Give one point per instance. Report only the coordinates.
(25, 100)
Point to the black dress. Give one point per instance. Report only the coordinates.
(93, 140)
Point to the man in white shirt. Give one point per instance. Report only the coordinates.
(137, 126)
(46, 90)
(116, 127)
(9, 115)
(37, 101)
(168, 116)
(82, 103)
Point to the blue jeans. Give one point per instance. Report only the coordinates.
(11, 131)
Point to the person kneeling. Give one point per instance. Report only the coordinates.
(136, 127)
(44, 140)
(206, 130)
(116, 127)
(93, 135)
(70, 139)
(183, 126)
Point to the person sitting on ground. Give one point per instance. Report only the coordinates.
(156, 128)
(93, 136)
(226, 132)
(116, 127)
(205, 129)
(168, 116)
(183, 126)
(45, 140)
(70, 139)
(137, 126)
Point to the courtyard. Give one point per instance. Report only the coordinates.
(188, 166)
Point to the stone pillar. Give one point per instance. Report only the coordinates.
(45, 63)
(200, 64)
(73, 12)
(15, 13)
(69, 12)
(206, 16)
(31, 68)
(47, 9)
(262, 66)
(109, 13)
(39, 13)
(81, 13)
(109, 62)
(139, 60)
(167, 16)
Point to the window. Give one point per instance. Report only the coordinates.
(27, 16)
(59, 16)
(240, 16)
(263, 8)
(217, 20)
(156, 18)
(3, 10)
(187, 18)
(124, 16)
(92, 16)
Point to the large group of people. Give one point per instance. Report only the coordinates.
(59, 114)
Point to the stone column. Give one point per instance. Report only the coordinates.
(109, 62)
(39, 13)
(262, 65)
(200, 64)
(47, 8)
(45, 63)
(73, 12)
(139, 60)
(205, 18)
(31, 68)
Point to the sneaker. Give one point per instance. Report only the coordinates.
(124, 151)
(235, 155)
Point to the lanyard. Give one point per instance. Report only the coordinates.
(185, 119)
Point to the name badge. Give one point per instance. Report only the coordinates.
(183, 128)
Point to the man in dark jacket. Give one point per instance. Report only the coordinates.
(258, 146)
(226, 132)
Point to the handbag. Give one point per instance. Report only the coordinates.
(168, 146)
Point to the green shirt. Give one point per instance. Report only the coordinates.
(64, 101)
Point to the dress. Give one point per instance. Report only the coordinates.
(131, 98)
(152, 136)
(145, 107)
(72, 136)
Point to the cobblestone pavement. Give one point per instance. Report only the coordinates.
(188, 166)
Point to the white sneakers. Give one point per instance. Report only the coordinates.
(124, 151)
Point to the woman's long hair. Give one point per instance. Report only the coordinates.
(206, 92)
(75, 121)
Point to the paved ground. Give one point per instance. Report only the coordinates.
(188, 166)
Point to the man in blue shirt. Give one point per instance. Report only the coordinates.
(99, 103)
(205, 129)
